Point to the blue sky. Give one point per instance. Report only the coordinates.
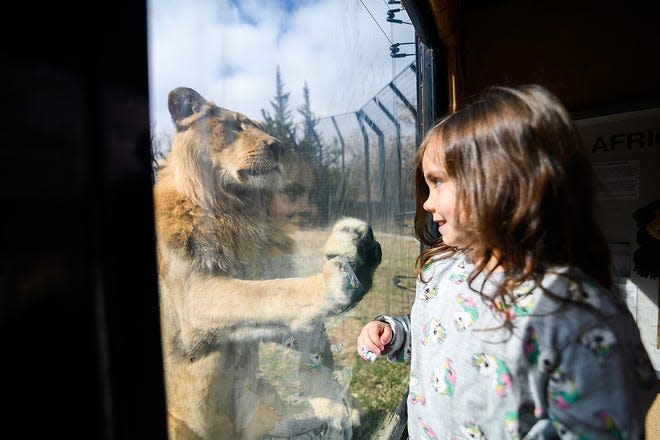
(288, 6)
(229, 50)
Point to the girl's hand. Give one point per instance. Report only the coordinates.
(373, 338)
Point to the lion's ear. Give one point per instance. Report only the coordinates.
(183, 102)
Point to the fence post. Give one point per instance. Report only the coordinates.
(381, 160)
(359, 115)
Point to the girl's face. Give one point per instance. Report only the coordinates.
(441, 202)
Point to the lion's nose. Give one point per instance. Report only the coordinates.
(277, 150)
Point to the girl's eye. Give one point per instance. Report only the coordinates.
(437, 183)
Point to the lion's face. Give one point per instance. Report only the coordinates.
(221, 149)
(221, 156)
(241, 151)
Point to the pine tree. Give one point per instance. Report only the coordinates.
(310, 145)
(280, 124)
(311, 148)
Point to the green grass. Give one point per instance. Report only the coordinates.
(379, 388)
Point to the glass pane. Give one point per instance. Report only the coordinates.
(318, 94)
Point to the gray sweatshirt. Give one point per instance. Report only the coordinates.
(561, 372)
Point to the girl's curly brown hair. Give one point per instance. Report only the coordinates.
(524, 183)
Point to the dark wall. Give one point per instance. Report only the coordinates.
(79, 328)
(598, 56)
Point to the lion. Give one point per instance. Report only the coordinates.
(223, 282)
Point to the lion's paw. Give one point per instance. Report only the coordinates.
(353, 251)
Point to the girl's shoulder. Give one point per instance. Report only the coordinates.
(573, 288)
(571, 304)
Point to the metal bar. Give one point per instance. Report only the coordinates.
(397, 127)
(359, 114)
(343, 146)
(407, 103)
(381, 155)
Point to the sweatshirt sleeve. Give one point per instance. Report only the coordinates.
(398, 350)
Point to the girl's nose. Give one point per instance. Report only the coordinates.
(427, 206)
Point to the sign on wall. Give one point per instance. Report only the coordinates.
(625, 152)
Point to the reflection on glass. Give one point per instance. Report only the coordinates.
(260, 312)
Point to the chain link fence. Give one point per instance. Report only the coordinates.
(365, 158)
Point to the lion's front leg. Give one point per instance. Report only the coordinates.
(222, 307)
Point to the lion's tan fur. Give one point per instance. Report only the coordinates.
(216, 236)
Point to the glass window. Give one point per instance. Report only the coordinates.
(321, 96)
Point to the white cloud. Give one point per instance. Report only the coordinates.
(230, 56)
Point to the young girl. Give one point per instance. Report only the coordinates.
(516, 330)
